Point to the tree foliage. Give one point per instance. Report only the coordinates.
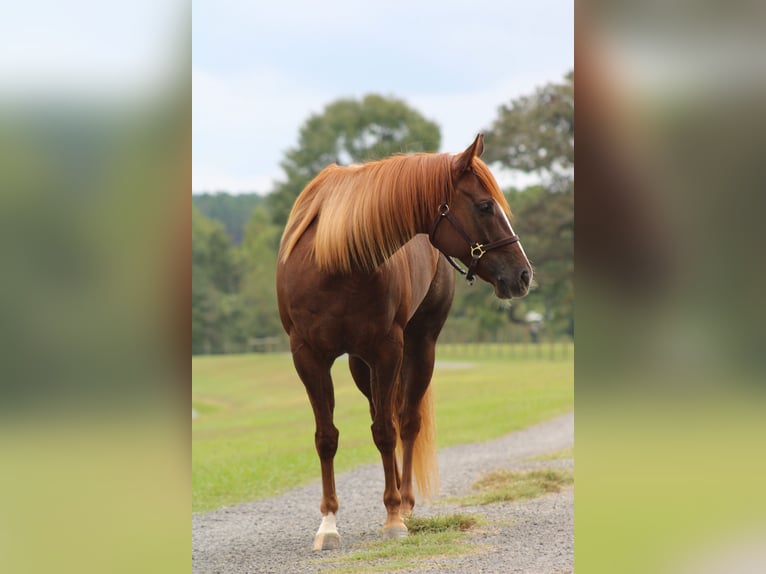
(259, 262)
(215, 282)
(545, 222)
(535, 134)
(233, 288)
(232, 210)
(351, 131)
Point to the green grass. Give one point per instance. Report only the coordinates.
(429, 537)
(393, 555)
(507, 486)
(254, 432)
(442, 523)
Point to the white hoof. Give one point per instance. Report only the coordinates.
(327, 537)
(329, 541)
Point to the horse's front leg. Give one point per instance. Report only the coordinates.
(385, 373)
(314, 371)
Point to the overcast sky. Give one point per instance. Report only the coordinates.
(261, 68)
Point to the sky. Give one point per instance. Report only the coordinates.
(260, 69)
(90, 50)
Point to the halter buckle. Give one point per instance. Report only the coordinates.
(477, 251)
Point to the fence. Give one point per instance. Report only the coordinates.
(543, 350)
(546, 350)
(268, 345)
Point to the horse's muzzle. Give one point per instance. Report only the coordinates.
(516, 286)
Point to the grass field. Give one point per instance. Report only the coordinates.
(253, 435)
(428, 538)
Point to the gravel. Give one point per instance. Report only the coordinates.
(275, 535)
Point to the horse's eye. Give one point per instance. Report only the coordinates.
(486, 207)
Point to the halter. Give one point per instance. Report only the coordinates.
(477, 249)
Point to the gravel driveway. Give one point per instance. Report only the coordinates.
(531, 537)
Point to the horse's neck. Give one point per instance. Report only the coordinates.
(424, 217)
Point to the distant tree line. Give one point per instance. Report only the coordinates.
(235, 238)
(233, 211)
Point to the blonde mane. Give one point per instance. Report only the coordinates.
(365, 213)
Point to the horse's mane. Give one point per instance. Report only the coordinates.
(365, 213)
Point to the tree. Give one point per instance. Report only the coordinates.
(259, 261)
(544, 219)
(351, 131)
(535, 134)
(215, 283)
(232, 210)
(233, 289)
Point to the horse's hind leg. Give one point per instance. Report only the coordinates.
(417, 369)
(362, 376)
(385, 368)
(360, 372)
(314, 371)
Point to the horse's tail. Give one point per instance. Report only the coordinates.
(425, 467)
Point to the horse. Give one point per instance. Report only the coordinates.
(364, 269)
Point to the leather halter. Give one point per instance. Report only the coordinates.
(477, 249)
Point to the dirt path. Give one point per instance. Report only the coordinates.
(275, 535)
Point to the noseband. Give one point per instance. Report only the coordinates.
(477, 249)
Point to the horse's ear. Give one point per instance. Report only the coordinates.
(463, 160)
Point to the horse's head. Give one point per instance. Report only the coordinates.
(477, 230)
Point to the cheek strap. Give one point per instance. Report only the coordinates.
(477, 249)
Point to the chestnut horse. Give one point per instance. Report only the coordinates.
(360, 272)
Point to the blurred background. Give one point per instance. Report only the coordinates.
(96, 164)
(670, 367)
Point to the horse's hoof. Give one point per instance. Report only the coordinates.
(327, 537)
(394, 532)
(327, 541)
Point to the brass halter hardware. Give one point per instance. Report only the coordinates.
(477, 249)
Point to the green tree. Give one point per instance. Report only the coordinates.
(215, 282)
(351, 131)
(535, 134)
(232, 210)
(544, 219)
(258, 291)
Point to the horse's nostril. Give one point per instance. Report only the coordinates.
(525, 276)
